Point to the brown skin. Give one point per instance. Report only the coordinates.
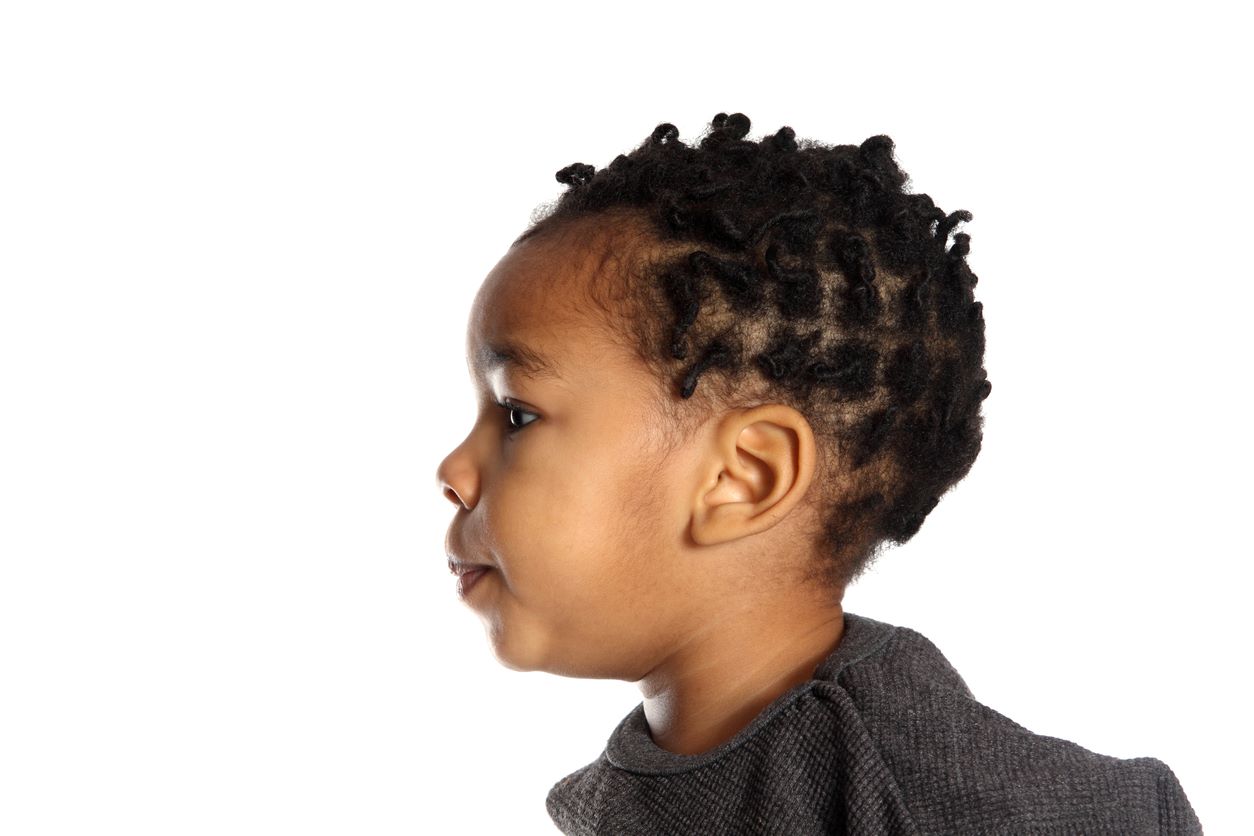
(680, 572)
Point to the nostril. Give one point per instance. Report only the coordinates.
(452, 495)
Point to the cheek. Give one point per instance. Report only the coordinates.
(584, 515)
(550, 520)
(645, 530)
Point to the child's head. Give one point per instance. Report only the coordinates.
(767, 366)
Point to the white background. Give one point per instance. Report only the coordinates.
(238, 244)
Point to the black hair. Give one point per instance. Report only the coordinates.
(791, 271)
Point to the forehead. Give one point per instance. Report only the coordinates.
(531, 312)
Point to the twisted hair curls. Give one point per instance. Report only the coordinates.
(786, 270)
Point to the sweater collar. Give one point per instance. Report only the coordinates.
(631, 748)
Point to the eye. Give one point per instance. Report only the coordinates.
(511, 409)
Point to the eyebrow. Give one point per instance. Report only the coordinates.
(525, 360)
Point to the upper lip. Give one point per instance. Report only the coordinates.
(461, 567)
(452, 547)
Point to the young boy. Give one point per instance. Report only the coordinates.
(715, 381)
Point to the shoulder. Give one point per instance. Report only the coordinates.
(962, 765)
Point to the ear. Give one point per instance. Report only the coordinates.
(761, 464)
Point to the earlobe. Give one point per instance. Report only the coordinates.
(761, 465)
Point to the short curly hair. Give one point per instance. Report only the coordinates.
(789, 271)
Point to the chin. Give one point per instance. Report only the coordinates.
(512, 652)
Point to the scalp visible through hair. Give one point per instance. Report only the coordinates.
(781, 270)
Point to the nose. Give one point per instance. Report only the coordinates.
(455, 478)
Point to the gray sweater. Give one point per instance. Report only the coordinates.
(886, 738)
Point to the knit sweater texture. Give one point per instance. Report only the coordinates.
(885, 738)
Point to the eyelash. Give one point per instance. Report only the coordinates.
(510, 429)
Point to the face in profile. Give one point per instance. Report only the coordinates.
(558, 486)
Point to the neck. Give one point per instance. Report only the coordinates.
(712, 687)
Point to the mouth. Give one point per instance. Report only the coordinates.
(462, 567)
(467, 580)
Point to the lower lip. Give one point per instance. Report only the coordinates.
(469, 581)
